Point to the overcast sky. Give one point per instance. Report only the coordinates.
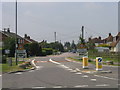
(41, 19)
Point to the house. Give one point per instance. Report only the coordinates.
(21, 41)
(115, 45)
(109, 39)
(96, 41)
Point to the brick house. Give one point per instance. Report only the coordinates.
(115, 45)
(21, 40)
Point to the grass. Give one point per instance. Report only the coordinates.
(7, 68)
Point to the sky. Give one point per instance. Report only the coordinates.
(41, 19)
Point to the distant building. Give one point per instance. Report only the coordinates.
(96, 41)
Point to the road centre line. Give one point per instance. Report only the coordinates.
(38, 87)
(57, 87)
(101, 85)
(105, 77)
(81, 86)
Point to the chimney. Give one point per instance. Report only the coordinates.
(99, 37)
(25, 36)
(109, 34)
(28, 37)
(89, 39)
(8, 30)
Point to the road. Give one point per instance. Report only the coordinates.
(57, 72)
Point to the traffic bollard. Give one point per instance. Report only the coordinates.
(98, 63)
(85, 62)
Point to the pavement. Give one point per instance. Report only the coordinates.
(56, 71)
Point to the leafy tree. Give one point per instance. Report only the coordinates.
(33, 49)
(67, 45)
(9, 44)
(73, 46)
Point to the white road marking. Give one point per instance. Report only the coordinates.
(57, 87)
(77, 69)
(106, 77)
(81, 86)
(78, 73)
(0, 75)
(38, 87)
(73, 71)
(93, 79)
(18, 73)
(118, 84)
(85, 76)
(53, 61)
(69, 69)
(101, 85)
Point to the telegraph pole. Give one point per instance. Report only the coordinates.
(16, 34)
(55, 36)
(82, 32)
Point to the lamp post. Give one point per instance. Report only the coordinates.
(16, 34)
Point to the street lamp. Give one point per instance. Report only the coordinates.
(16, 34)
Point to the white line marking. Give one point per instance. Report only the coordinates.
(102, 85)
(0, 75)
(57, 87)
(78, 73)
(93, 80)
(106, 77)
(73, 71)
(18, 73)
(53, 61)
(118, 84)
(38, 87)
(69, 69)
(81, 86)
(85, 76)
(77, 69)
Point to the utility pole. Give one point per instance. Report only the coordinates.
(16, 34)
(82, 32)
(55, 36)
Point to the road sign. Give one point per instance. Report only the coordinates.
(99, 59)
(7, 51)
(21, 53)
(98, 63)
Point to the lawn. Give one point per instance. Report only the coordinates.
(7, 68)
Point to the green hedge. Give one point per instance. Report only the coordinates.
(47, 51)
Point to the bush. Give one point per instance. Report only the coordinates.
(43, 53)
(48, 51)
(4, 59)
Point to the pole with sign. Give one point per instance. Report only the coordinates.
(98, 63)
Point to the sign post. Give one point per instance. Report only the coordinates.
(98, 63)
(85, 62)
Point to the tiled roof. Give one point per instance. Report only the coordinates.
(113, 44)
(96, 40)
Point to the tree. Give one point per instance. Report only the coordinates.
(67, 45)
(9, 44)
(33, 49)
(73, 46)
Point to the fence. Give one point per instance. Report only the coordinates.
(109, 55)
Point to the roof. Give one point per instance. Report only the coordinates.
(96, 40)
(109, 38)
(10, 34)
(113, 44)
(118, 34)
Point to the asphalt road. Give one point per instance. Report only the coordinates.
(57, 72)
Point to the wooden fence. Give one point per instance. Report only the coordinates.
(111, 55)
